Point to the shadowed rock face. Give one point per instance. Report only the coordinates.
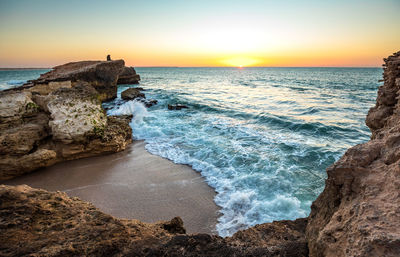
(102, 75)
(132, 93)
(358, 213)
(42, 223)
(128, 76)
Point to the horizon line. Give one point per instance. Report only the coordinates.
(237, 67)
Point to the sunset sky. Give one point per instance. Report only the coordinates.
(45, 33)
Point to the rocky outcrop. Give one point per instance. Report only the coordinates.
(59, 117)
(128, 76)
(131, 94)
(358, 213)
(41, 223)
(102, 75)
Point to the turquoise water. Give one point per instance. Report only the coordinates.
(14, 78)
(261, 137)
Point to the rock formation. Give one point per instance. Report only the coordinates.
(59, 117)
(132, 93)
(102, 75)
(40, 223)
(128, 76)
(358, 213)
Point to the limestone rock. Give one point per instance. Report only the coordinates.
(47, 88)
(69, 123)
(128, 76)
(358, 213)
(131, 94)
(15, 106)
(74, 113)
(102, 75)
(41, 223)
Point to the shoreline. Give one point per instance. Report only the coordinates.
(133, 184)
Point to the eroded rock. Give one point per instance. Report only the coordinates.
(128, 76)
(132, 93)
(41, 223)
(358, 213)
(59, 117)
(102, 75)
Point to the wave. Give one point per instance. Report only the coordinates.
(16, 82)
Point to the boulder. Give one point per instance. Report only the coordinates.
(177, 107)
(128, 76)
(132, 93)
(148, 102)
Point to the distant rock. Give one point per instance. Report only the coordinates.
(102, 75)
(147, 102)
(177, 107)
(132, 93)
(128, 76)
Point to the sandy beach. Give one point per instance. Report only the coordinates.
(133, 184)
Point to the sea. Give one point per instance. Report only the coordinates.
(262, 138)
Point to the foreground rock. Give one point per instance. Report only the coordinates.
(358, 213)
(59, 117)
(40, 223)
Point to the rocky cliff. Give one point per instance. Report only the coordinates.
(59, 117)
(357, 214)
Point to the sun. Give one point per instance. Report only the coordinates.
(240, 62)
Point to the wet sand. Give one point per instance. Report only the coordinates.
(133, 184)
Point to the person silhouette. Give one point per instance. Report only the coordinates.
(108, 58)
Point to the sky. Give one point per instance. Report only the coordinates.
(354, 33)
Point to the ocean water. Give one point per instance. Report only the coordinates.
(261, 137)
(14, 78)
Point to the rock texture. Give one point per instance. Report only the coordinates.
(102, 75)
(132, 93)
(128, 76)
(59, 117)
(358, 213)
(35, 222)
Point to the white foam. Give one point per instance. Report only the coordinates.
(137, 109)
